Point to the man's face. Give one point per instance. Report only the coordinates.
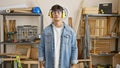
(57, 15)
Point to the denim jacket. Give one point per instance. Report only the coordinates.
(68, 47)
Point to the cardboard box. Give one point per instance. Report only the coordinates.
(34, 53)
(90, 10)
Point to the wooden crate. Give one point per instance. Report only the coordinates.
(116, 60)
(23, 50)
(90, 10)
(101, 46)
(97, 27)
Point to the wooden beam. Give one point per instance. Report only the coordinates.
(70, 21)
(108, 25)
(81, 60)
(78, 17)
(9, 59)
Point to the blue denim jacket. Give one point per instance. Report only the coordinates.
(68, 47)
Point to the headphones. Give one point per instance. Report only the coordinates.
(63, 14)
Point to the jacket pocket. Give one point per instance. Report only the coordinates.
(66, 39)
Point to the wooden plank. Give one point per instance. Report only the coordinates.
(70, 21)
(30, 61)
(8, 54)
(81, 60)
(29, 66)
(5, 30)
(108, 26)
(14, 30)
(79, 48)
(27, 9)
(9, 59)
(81, 65)
(78, 17)
(34, 53)
(22, 11)
(97, 28)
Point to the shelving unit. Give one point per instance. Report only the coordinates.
(4, 43)
(21, 14)
(86, 40)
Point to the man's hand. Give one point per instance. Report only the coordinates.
(41, 64)
(73, 66)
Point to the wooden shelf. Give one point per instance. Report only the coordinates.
(81, 60)
(102, 15)
(20, 14)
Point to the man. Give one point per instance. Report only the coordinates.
(58, 47)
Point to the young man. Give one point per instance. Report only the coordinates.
(58, 47)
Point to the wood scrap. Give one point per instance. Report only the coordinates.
(115, 28)
(14, 30)
(21, 10)
(5, 30)
(70, 21)
(108, 26)
(79, 17)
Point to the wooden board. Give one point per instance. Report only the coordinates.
(90, 10)
(5, 30)
(76, 26)
(108, 25)
(101, 46)
(22, 10)
(70, 21)
(79, 48)
(34, 53)
(97, 27)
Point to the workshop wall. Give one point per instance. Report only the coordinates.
(45, 5)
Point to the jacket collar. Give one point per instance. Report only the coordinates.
(65, 30)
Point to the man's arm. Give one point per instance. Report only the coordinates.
(74, 54)
(41, 49)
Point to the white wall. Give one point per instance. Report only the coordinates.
(45, 5)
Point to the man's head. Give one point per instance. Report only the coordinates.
(57, 8)
(56, 12)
